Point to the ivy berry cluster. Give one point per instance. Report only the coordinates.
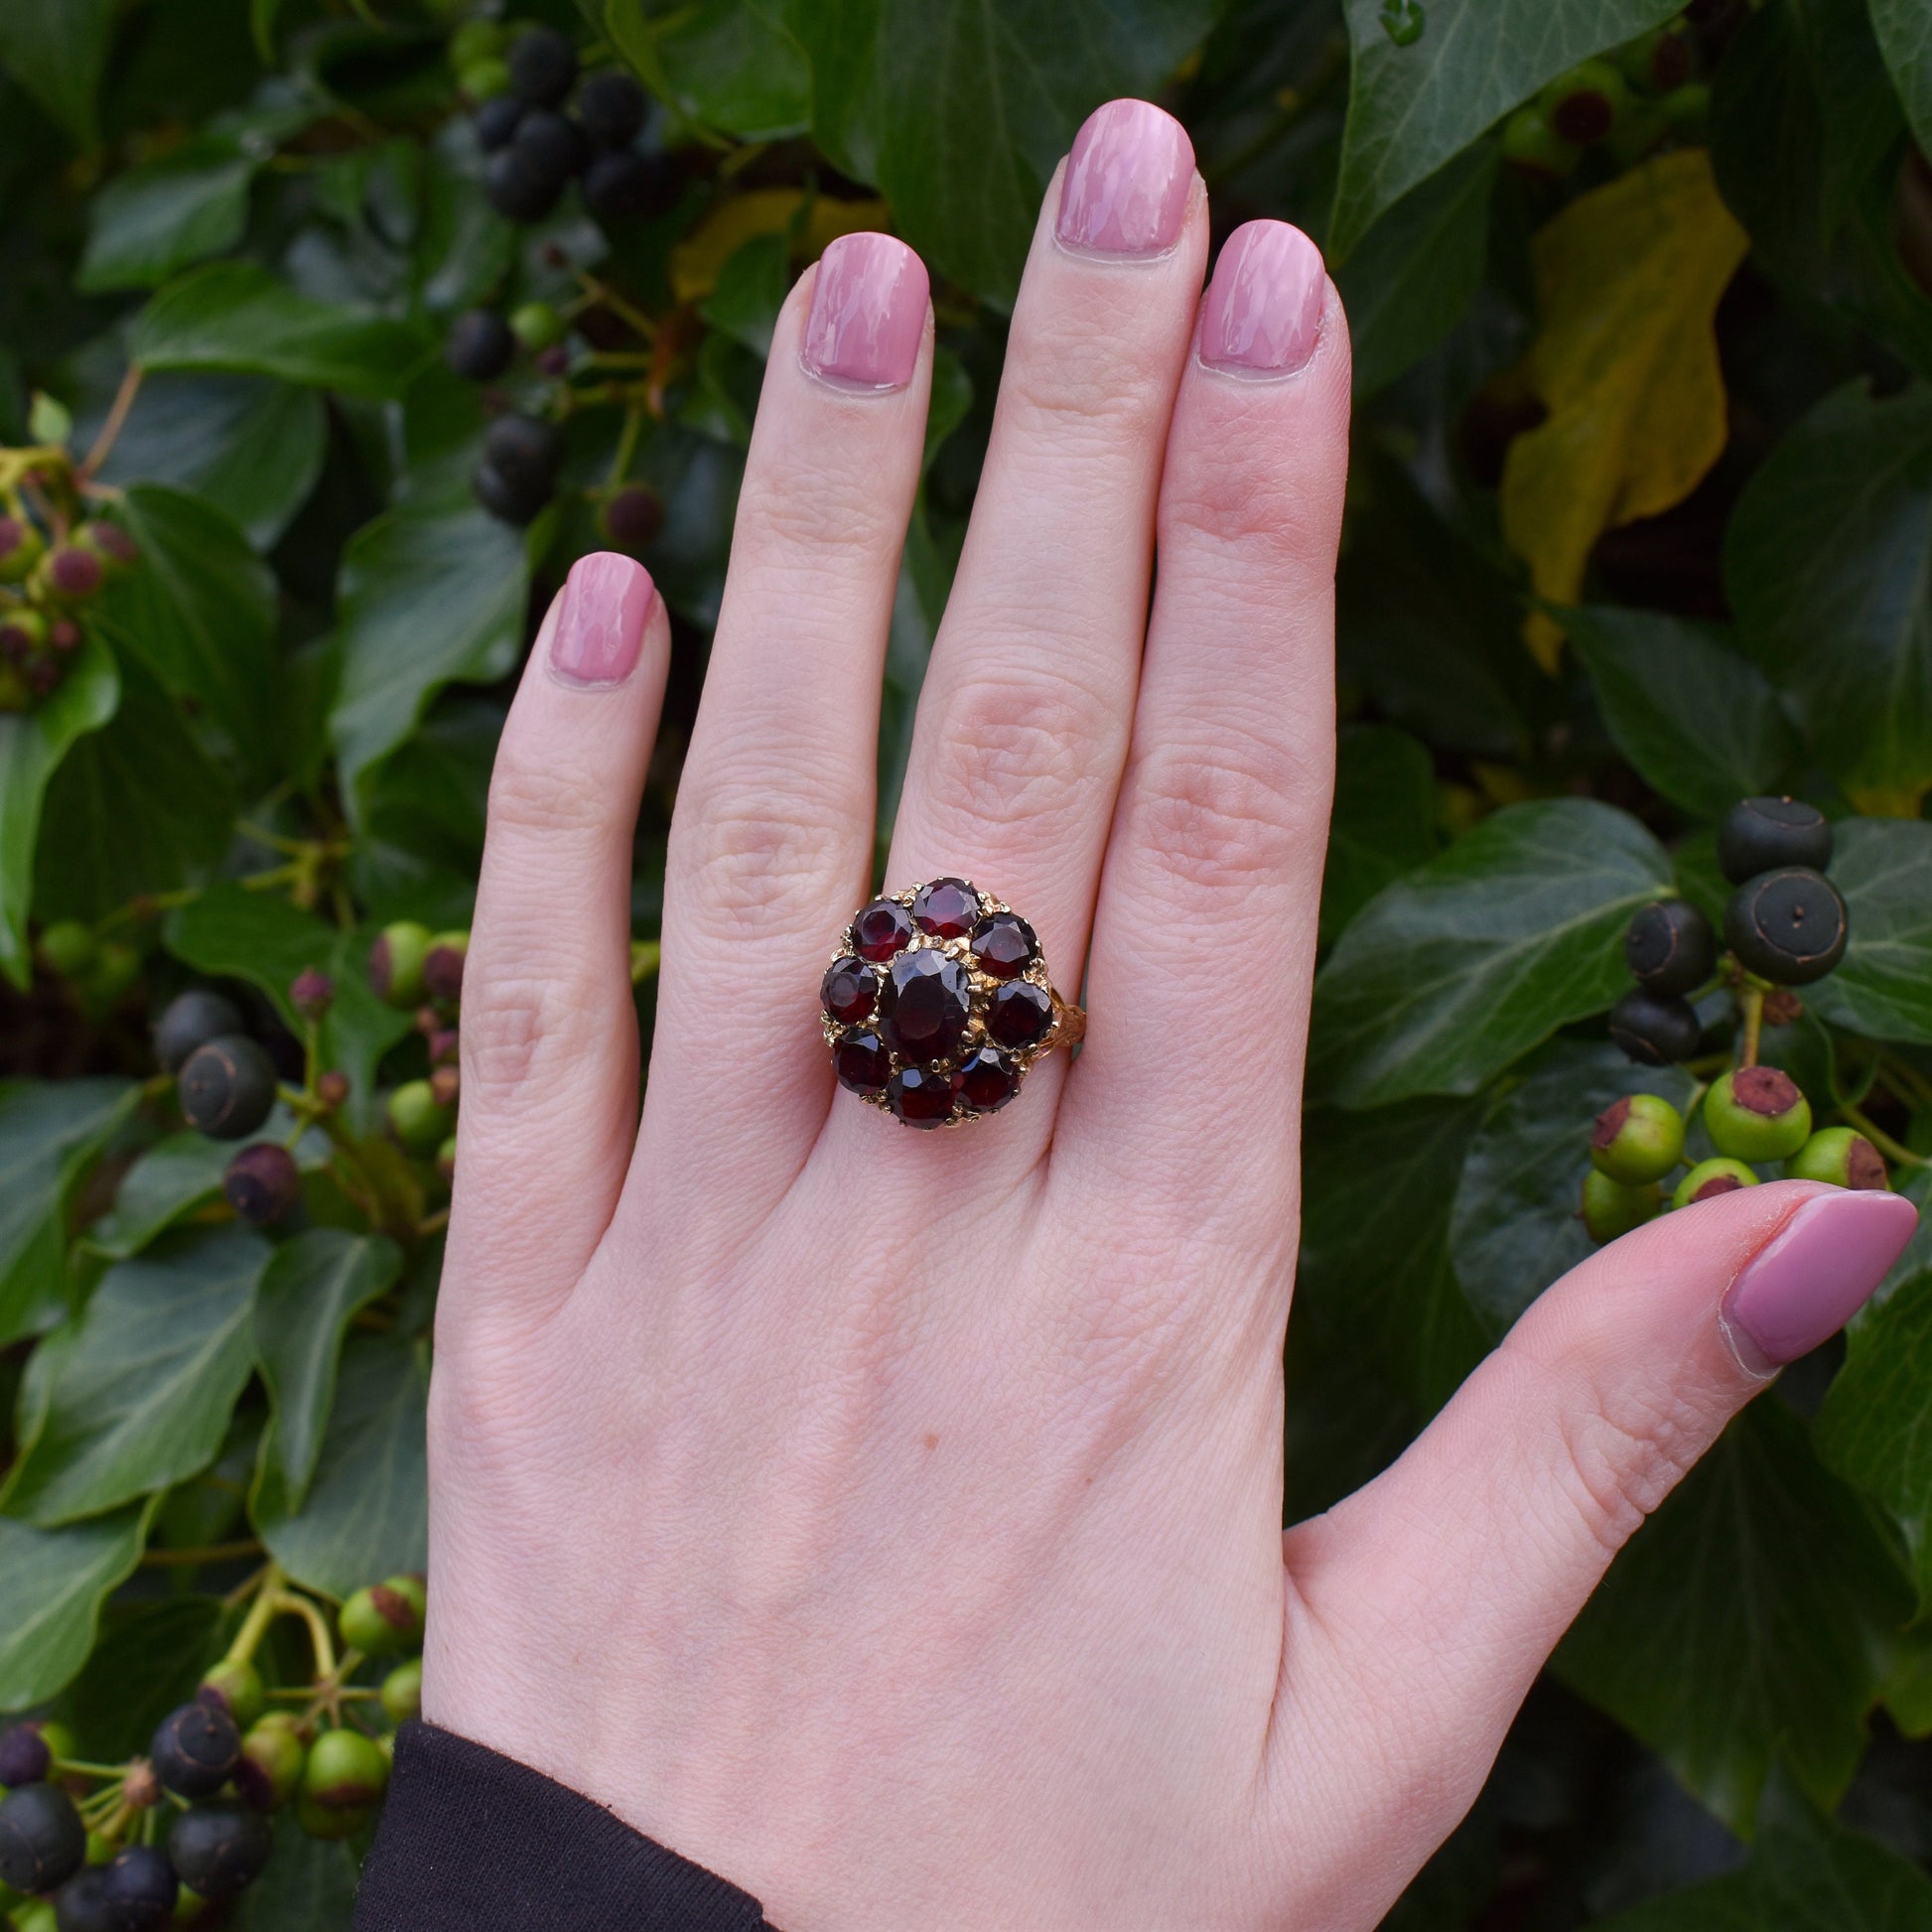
(411, 967)
(1785, 925)
(171, 1837)
(1628, 103)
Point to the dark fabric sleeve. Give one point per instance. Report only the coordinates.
(472, 1842)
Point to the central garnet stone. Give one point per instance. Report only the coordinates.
(923, 1005)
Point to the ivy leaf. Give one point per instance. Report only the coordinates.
(1383, 823)
(1696, 719)
(309, 1294)
(1883, 986)
(427, 596)
(1625, 357)
(1447, 976)
(199, 613)
(310, 1883)
(137, 1394)
(366, 1514)
(730, 64)
(32, 746)
(1904, 31)
(52, 1584)
(148, 1661)
(1721, 1651)
(152, 220)
(1827, 563)
(1515, 1227)
(1410, 108)
(175, 1181)
(50, 1133)
(56, 50)
(237, 316)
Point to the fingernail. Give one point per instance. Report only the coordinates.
(1263, 310)
(1816, 1272)
(1125, 191)
(599, 628)
(868, 313)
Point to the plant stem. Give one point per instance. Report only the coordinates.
(319, 1638)
(261, 1615)
(110, 430)
(633, 423)
(203, 1553)
(1751, 999)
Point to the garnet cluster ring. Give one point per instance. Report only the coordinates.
(938, 1002)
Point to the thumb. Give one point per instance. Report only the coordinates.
(1446, 1581)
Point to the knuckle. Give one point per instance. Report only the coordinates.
(1013, 751)
(544, 799)
(1622, 1452)
(1071, 392)
(758, 858)
(1224, 815)
(516, 1025)
(1271, 512)
(820, 512)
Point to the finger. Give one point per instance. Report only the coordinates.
(549, 1046)
(1023, 716)
(1219, 839)
(771, 843)
(1438, 1591)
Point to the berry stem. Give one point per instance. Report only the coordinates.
(202, 1553)
(1752, 998)
(110, 430)
(633, 423)
(293, 1604)
(602, 293)
(70, 1766)
(1906, 1080)
(261, 1613)
(1892, 1150)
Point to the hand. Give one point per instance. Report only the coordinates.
(888, 1520)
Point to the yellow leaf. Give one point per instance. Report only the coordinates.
(1625, 359)
(696, 260)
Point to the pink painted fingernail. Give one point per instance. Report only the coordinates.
(599, 630)
(868, 313)
(1816, 1272)
(1263, 310)
(1125, 192)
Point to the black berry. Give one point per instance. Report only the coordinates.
(140, 1889)
(627, 187)
(611, 109)
(479, 347)
(42, 1838)
(190, 1021)
(195, 1749)
(1655, 1028)
(632, 516)
(261, 1184)
(543, 67)
(1787, 926)
(227, 1087)
(525, 451)
(221, 1848)
(1671, 946)
(443, 966)
(81, 1904)
(509, 503)
(1765, 834)
(496, 121)
(550, 147)
(513, 192)
(23, 1756)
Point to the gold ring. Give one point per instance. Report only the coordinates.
(938, 1000)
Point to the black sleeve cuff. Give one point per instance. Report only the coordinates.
(471, 1842)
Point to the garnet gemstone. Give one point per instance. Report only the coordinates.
(1019, 1015)
(1004, 945)
(919, 1098)
(850, 991)
(881, 929)
(986, 1080)
(949, 909)
(862, 1062)
(923, 1008)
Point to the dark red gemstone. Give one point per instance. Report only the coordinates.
(1019, 1015)
(923, 1006)
(1004, 945)
(949, 909)
(919, 1098)
(850, 991)
(881, 929)
(862, 1062)
(986, 1080)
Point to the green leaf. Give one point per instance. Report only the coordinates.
(1447, 976)
(56, 50)
(237, 316)
(1883, 986)
(1415, 273)
(149, 1659)
(1384, 819)
(169, 1182)
(1904, 31)
(366, 1515)
(1827, 564)
(729, 65)
(751, 291)
(309, 1886)
(427, 596)
(137, 1394)
(32, 746)
(50, 1133)
(1745, 1621)
(52, 1584)
(1515, 1228)
(150, 221)
(311, 1292)
(1698, 721)
(1410, 108)
(200, 612)
(1379, 1281)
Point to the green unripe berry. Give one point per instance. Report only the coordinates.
(328, 1823)
(116, 968)
(72, 576)
(272, 1757)
(100, 1847)
(396, 964)
(21, 548)
(1587, 103)
(485, 80)
(1610, 1208)
(402, 1692)
(1638, 1140)
(385, 1616)
(420, 1124)
(237, 1687)
(1687, 112)
(1758, 1114)
(1660, 60)
(446, 1159)
(1841, 1156)
(68, 946)
(35, 1915)
(1531, 143)
(536, 325)
(1710, 1179)
(346, 1771)
(116, 550)
(443, 966)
